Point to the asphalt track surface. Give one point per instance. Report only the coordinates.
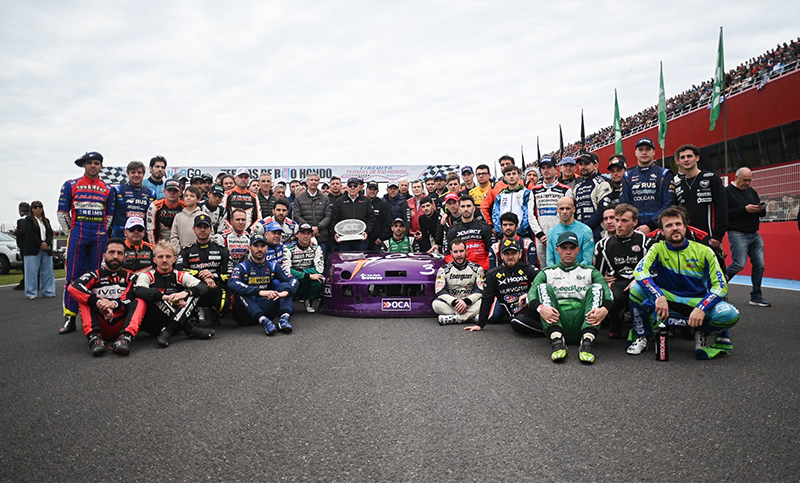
(395, 400)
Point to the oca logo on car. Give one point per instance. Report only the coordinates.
(396, 305)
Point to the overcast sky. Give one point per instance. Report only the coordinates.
(327, 82)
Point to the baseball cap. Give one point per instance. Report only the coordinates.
(567, 237)
(257, 238)
(217, 190)
(371, 185)
(90, 155)
(305, 227)
(645, 142)
(398, 220)
(467, 169)
(353, 181)
(207, 177)
(567, 160)
(197, 177)
(134, 221)
(181, 178)
(440, 175)
(510, 245)
(202, 219)
(392, 183)
(587, 158)
(617, 162)
(172, 184)
(241, 171)
(272, 226)
(450, 197)
(547, 160)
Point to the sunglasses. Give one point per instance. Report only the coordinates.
(136, 229)
(352, 185)
(36, 207)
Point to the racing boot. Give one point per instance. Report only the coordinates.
(213, 316)
(559, 349)
(723, 342)
(194, 332)
(309, 305)
(585, 352)
(269, 327)
(166, 333)
(97, 345)
(69, 325)
(284, 325)
(122, 345)
(448, 319)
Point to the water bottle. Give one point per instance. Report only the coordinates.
(662, 353)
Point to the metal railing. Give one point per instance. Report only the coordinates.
(779, 188)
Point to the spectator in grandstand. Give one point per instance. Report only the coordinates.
(182, 231)
(131, 199)
(306, 262)
(702, 194)
(353, 206)
(459, 287)
(429, 222)
(567, 169)
(745, 212)
(567, 222)
(158, 167)
(616, 258)
(542, 212)
(509, 223)
(138, 253)
(617, 166)
(468, 176)
(37, 252)
(679, 296)
(592, 194)
(572, 300)
(648, 187)
(487, 204)
(484, 185)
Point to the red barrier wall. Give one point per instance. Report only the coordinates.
(781, 250)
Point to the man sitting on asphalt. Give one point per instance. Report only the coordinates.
(572, 300)
(209, 262)
(505, 294)
(689, 290)
(459, 287)
(110, 313)
(256, 301)
(307, 264)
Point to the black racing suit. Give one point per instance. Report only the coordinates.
(152, 285)
(504, 286)
(216, 259)
(138, 259)
(618, 257)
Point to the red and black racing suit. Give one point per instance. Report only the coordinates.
(113, 286)
(478, 238)
(243, 199)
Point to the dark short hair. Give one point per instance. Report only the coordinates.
(457, 241)
(506, 157)
(425, 199)
(687, 147)
(483, 166)
(510, 168)
(466, 197)
(25, 207)
(673, 212)
(195, 190)
(453, 176)
(156, 159)
(117, 240)
(135, 165)
(281, 201)
(509, 216)
(335, 178)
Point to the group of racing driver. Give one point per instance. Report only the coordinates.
(559, 250)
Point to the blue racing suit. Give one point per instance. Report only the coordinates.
(129, 202)
(85, 209)
(651, 190)
(248, 279)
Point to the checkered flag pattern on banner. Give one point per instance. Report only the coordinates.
(434, 169)
(113, 175)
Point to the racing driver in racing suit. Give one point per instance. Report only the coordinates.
(85, 210)
(476, 234)
(542, 205)
(506, 290)
(459, 287)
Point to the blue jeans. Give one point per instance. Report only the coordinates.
(745, 245)
(39, 278)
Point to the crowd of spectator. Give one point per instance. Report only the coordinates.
(777, 61)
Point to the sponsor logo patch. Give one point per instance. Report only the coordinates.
(396, 305)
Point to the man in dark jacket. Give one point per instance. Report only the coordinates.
(314, 207)
(381, 229)
(397, 204)
(24, 209)
(352, 205)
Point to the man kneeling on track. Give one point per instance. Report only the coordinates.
(572, 300)
(255, 301)
(459, 287)
(505, 293)
(109, 312)
(689, 290)
(171, 296)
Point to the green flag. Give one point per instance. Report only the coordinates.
(617, 127)
(719, 84)
(662, 111)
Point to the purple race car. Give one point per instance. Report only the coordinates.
(361, 284)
